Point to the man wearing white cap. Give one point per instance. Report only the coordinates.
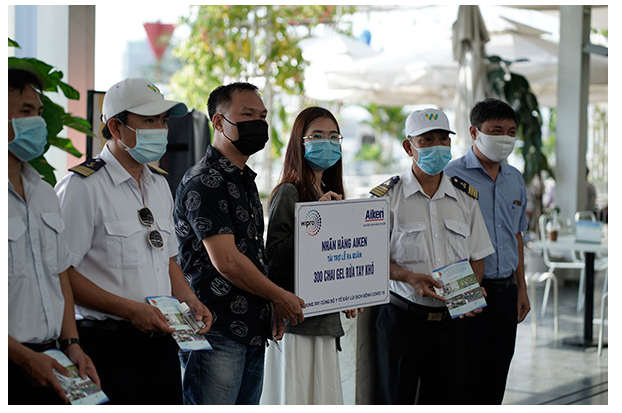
(503, 200)
(434, 222)
(121, 237)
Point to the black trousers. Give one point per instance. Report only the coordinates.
(134, 367)
(412, 353)
(492, 337)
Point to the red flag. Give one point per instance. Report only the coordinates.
(159, 37)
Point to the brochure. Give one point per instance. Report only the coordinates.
(79, 391)
(460, 288)
(184, 334)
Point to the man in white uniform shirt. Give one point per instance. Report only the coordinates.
(122, 242)
(434, 222)
(40, 307)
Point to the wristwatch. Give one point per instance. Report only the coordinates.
(66, 343)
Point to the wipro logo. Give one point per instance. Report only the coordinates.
(312, 222)
(374, 215)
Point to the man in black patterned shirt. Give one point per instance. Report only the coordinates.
(219, 224)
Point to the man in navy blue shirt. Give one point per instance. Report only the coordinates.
(502, 200)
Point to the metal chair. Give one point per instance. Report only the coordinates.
(548, 278)
(600, 263)
(603, 319)
(552, 265)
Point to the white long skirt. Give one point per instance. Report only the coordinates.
(305, 372)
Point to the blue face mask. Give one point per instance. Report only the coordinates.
(150, 144)
(322, 154)
(434, 159)
(30, 137)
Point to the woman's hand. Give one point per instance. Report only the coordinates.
(331, 196)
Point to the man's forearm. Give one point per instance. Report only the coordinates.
(68, 329)
(519, 273)
(88, 294)
(478, 269)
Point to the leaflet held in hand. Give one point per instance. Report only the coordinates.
(460, 288)
(184, 334)
(79, 391)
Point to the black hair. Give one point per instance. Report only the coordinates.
(20, 78)
(221, 96)
(122, 117)
(491, 109)
(296, 170)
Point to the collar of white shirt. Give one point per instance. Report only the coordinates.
(118, 173)
(411, 186)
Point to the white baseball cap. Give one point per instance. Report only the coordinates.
(140, 97)
(422, 121)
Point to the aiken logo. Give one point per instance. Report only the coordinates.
(432, 116)
(374, 215)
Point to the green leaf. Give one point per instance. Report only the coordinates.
(42, 166)
(77, 123)
(68, 91)
(13, 43)
(52, 113)
(65, 144)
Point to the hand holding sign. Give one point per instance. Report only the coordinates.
(288, 306)
(342, 254)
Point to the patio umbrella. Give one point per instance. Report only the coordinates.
(426, 75)
(469, 38)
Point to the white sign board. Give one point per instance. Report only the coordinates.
(342, 254)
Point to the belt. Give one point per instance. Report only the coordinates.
(119, 326)
(496, 285)
(420, 311)
(41, 347)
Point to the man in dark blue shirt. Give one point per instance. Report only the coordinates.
(503, 201)
(219, 224)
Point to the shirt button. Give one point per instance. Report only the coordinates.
(435, 235)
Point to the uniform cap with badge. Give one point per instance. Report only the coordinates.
(426, 120)
(140, 97)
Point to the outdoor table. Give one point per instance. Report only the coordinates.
(569, 243)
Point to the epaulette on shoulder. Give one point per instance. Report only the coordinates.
(89, 167)
(465, 187)
(157, 170)
(384, 187)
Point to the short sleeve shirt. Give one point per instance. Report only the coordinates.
(504, 206)
(37, 254)
(108, 243)
(216, 197)
(429, 233)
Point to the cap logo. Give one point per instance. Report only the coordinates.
(154, 88)
(432, 116)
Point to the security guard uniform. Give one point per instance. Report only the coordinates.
(109, 245)
(418, 344)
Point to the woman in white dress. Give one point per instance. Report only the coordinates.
(306, 371)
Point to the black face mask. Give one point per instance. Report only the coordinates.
(252, 136)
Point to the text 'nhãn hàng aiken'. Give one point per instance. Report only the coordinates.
(342, 243)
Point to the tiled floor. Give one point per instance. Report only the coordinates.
(545, 370)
